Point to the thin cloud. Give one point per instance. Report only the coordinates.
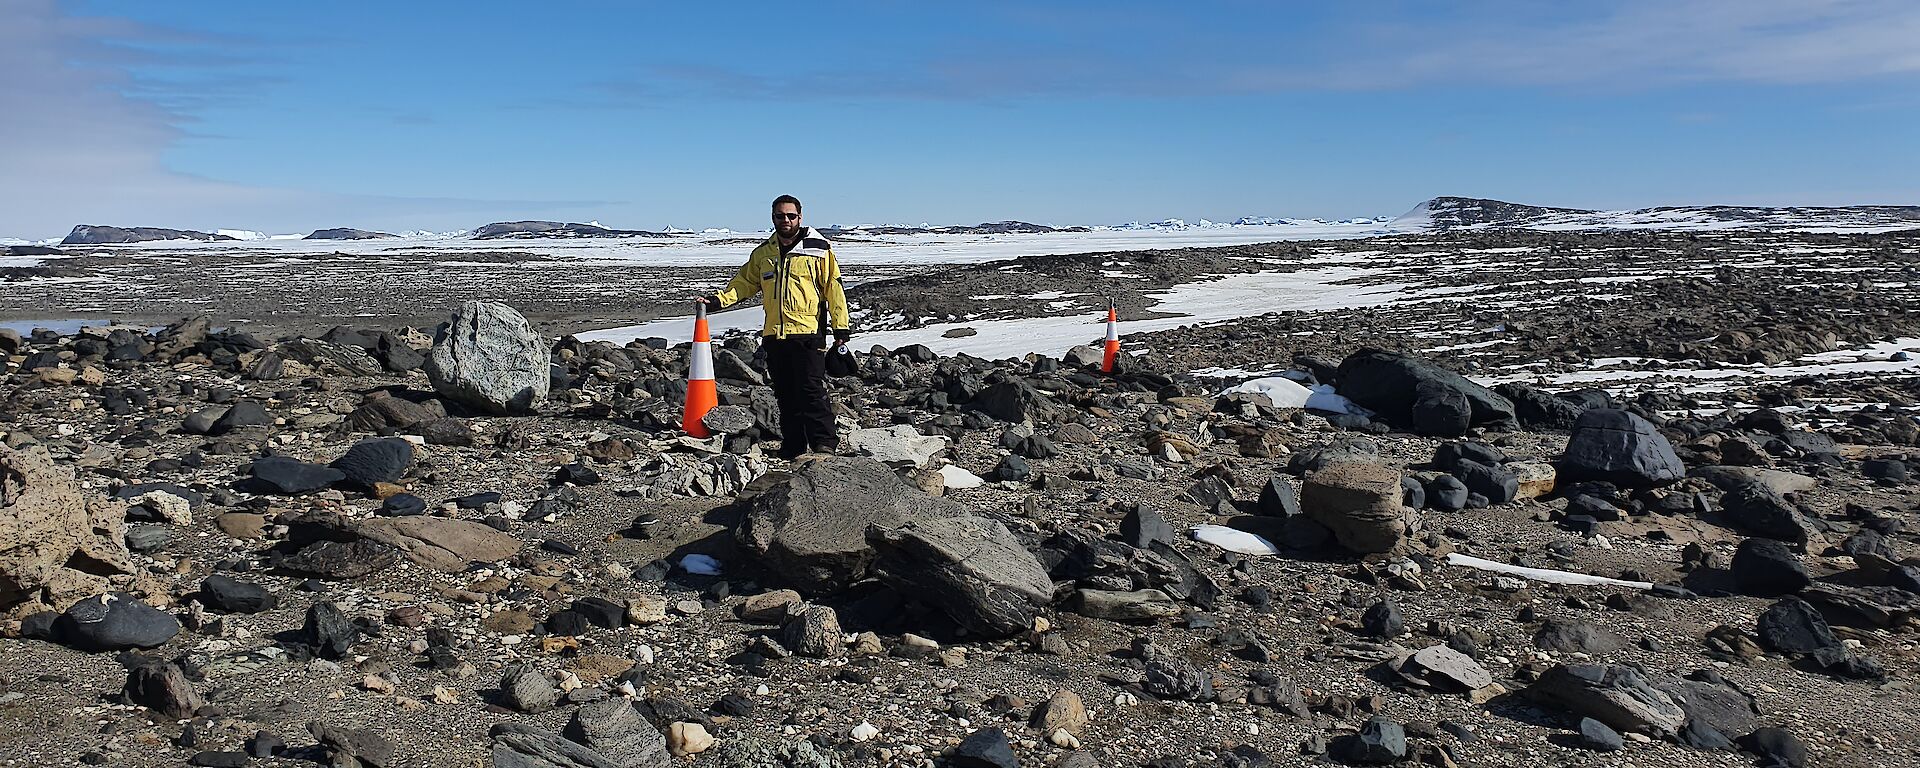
(82, 140)
(1631, 45)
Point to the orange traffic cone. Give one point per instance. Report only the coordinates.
(702, 394)
(1113, 340)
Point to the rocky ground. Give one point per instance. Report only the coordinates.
(310, 565)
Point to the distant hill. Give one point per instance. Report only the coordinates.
(89, 234)
(1444, 213)
(346, 234)
(518, 229)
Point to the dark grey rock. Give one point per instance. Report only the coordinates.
(1615, 695)
(1619, 447)
(1440, 410)
(1762, 511)
(380, 460)
(1712, 703)
(344, 746)
(984, 748)
(1498, 485)
(164, 688)
(1412, 494)
(1890, 470)
(1412, 393)
(1447, 494)
(292, 477)
(1278, 499)
(517, 745)
(1144, 525)
(1595, 735)
(402, 505)
(1577, 637)
(525, 688)
(201, 422)
(1014, 401)
(148, 538)
(971, 568)
(245, 413)
(1776, 748)
(218, 759)
(1208, 492)
(1383, 619)
(229, 595)
(1012, 468)
(1175, 679)
(615, 730)
(114, 622)
(729, 365)
(1768, 568)
(328, 632)
(1794, 626)
(811, 529)
(1381, 741)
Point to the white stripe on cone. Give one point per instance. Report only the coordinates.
(702, 365)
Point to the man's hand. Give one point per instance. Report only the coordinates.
(842, 335)
(710, 302)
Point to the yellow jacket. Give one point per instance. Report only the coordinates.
(794, 284)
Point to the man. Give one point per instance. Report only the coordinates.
(796, 273)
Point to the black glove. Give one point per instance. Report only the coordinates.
(842, 335)
(712, 302)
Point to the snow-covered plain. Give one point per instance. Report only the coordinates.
(1210, 301)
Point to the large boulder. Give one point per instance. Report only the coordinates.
(1411, 393)
(811, 528)
(1619, 447)
(1359, 502)
(114, 622)
(1615, 695)
(489, 359)
(971, 568)
(56, 546)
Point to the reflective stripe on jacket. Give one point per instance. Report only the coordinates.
(793, 284)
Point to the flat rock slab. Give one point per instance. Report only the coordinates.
(898, 445)
(971, 567)
(443, 544)
(1732, 478)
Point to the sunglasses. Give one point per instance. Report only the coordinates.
(786, 216)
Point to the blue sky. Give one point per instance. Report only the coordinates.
(288, 117)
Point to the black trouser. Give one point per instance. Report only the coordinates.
(798, 366)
